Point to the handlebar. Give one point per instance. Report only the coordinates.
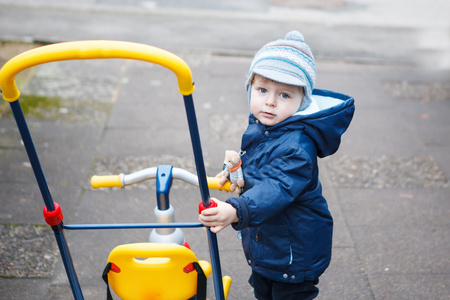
(92, 50)
(122, 180)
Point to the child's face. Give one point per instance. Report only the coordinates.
(273, 102)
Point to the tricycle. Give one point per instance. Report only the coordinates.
(163, 267)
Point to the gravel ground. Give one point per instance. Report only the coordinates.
(27, 251)
(386, 172)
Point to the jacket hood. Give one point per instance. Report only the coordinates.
(324, 121)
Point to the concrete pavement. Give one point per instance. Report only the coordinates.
(387, 186)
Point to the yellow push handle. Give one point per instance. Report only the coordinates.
(93, 50)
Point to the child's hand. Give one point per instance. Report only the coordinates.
(220, 174)
(222, 180)
(217, 218)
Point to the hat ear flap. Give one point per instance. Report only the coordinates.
(249, 93)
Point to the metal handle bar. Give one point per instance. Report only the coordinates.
(122, 180)
(93, 50)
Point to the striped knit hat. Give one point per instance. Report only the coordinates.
(288, 61)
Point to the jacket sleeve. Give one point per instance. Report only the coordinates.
(274, 187)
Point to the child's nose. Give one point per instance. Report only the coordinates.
(271, 100)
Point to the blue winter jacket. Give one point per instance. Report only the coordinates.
(284, 220)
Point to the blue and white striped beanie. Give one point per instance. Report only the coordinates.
(288, 61)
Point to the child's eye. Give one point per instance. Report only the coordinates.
(284, 96)
(262, 90)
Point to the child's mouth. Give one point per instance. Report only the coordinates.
(268, 115)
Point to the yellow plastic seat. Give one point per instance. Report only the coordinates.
(154, 271)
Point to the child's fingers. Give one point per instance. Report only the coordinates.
(216, 229)
(208, 219)
(210, 211)
(207, 222)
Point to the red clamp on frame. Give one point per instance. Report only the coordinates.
(189, 268)
(54, 217)
(201, 206)
(115, 268)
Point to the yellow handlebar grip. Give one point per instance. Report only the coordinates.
(93, 50)
(106, 181)
(213, 183)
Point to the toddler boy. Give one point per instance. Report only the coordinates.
(283, 218)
